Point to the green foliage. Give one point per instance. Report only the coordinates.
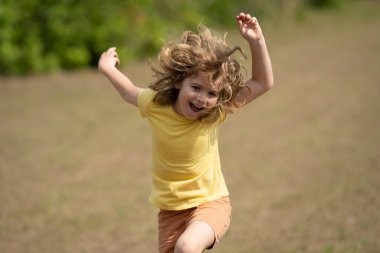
(326, 3)
(46, 35)
(39, 36)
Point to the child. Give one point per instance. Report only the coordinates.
(198, 84)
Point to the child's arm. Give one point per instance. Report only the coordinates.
(107, 66)
(262, 76)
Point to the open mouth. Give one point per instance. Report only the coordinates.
(196, 108)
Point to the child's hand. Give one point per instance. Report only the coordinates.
(108, 60)
(249, 27)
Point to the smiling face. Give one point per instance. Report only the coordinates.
(196, 97)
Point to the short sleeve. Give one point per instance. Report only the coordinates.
(144, 98)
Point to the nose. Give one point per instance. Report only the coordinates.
(202, 99)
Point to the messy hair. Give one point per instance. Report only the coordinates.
(204, 53)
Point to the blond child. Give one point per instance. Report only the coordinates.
(198, 84)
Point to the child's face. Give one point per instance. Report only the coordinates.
(196, 97)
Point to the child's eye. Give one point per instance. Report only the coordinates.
(196, 88)
(213, 94)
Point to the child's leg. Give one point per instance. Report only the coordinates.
(206, 225)
(171, 225)
(199, 227)
(197, 237)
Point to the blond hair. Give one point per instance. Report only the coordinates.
(206, 53)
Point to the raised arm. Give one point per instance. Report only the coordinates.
(107, 66)
(262, 75)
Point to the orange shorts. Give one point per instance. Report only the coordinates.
(171, 224)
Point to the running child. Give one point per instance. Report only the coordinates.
(198, 84)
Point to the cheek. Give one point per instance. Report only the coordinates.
(183, 94)
(212, 101)
(187, 92)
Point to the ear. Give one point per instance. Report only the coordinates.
(178, 85)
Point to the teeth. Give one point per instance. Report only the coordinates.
(196, 107)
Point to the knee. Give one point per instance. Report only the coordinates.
(184, 245)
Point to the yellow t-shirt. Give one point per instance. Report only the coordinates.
(186, 169)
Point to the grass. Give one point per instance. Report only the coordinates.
(301, 162)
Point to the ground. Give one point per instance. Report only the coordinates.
(302, 162)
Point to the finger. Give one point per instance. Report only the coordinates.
(240, 22)
(253, 20)
(111, 49)
(241, 16)
(112, 53)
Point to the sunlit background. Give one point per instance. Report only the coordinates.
(302, 162)
(47, 35)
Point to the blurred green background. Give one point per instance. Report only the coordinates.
(39, 36)
(302, 162)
